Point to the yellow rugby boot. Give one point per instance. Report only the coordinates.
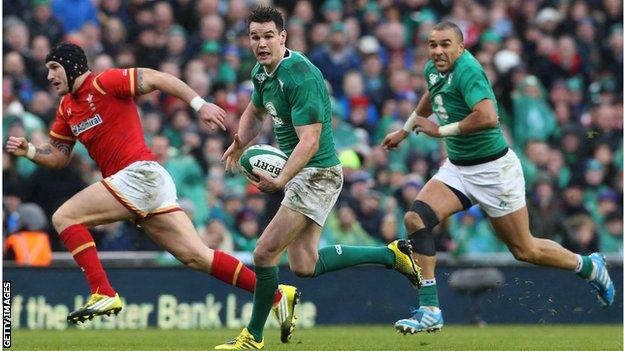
(284, 311)
(97, 305)
(245, 341)
(404, 263)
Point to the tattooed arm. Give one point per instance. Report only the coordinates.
(149, 80)
(54, 155)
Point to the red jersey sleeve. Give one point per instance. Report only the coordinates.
(119, 82)
(60, 128)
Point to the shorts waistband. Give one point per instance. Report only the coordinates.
(478, 161)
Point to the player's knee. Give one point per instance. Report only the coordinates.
(192, 258)
(420, 215)
(187, 258)
(303, 271)
(264, 255)
(412, 222)
(61, 220)
(528, 254)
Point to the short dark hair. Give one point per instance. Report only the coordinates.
(450, 25)
(263, 14)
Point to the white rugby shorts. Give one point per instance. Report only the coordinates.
(145, 188)
(313, 192)
(497, 186)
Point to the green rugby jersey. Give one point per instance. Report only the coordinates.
(295, 94)
(452, 97)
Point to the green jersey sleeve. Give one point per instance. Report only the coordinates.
(474, 85)
(305, 100)
(256, 95)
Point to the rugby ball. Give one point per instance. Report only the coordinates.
(263, 158)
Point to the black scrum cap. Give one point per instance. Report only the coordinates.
(72, 58)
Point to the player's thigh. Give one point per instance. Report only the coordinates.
(513, 229)
(92, 206)
(175, 232)
(281, 232)
(498, 186)
(440, 198)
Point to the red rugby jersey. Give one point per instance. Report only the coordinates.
(103, 116)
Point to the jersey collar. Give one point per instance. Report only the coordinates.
(287, 55)
(86, 84)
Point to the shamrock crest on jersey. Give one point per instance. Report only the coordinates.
(433, 78)
(260, 77)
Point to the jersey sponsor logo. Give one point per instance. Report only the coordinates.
(273, 169)
(260, 77)
(278, 122)
(433, 78)
(87, 124)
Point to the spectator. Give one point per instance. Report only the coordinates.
(343, 228)
(581, 235)
(114, 36)
(370, 214)
(216, 235)
(336, 58)
(74, 14)
(29, 246)
(16, 37)
(611, 240)
(389, 228)
(39, 48)
(533, 117)
(545, 210)
(248, 230)
(472, 234)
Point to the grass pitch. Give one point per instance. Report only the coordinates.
(509, 337)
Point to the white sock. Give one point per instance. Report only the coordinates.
(579, 264)
(429, 282)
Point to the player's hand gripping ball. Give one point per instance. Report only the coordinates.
(263, 158)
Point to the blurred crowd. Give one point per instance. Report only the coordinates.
(555, 66)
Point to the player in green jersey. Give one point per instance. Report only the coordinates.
(480, 169)
(292, 91)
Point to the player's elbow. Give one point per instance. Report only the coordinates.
(489, 119)
(61, 162)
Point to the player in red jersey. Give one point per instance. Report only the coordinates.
(99, 111)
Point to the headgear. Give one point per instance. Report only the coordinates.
(72, 58)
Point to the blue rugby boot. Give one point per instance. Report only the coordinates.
(423, 319)
(602, 282)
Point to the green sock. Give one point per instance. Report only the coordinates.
(333, 258)
(429, 295)
(587, 266)
(266, 285)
